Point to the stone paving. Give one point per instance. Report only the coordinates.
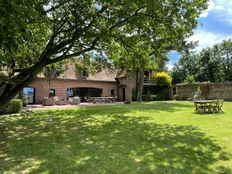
(38, 106)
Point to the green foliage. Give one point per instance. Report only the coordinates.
(190, 79)
(37, 33)
(210, 65)
(23, 33)
(163, 79)
(163, 94)
(55, 70)
(147, 97)
(92, 64)
(14, 106)
(71, 27)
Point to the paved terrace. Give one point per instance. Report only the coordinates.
(38, 107)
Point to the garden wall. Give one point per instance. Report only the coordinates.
(209, 91)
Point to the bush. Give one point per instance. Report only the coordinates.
(190, 79)
(14, 106)
(163, 94)
(163, 79)
(147, 97)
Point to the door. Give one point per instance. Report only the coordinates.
(123, 94)
(29, 95)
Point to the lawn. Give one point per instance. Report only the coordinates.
(156, 137)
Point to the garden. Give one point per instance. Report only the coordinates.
(157, 50)
(153, 137)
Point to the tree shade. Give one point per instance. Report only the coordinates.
(44, 32)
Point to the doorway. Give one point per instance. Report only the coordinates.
(123, 94)
(29, 95)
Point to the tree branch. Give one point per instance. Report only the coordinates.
(64, 56)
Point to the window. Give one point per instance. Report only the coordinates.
(84, 92)
(112, 92)
(85, 73)
(29, 95)
(52, 92)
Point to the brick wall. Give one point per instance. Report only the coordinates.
(129, 84)
(209, 91)
(41, 86)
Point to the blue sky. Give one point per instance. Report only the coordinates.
(215, 25)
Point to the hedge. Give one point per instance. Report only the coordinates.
(14, 106)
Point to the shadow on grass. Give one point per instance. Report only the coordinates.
(77, 141)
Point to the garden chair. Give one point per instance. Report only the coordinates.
(220, 104)
(214, 106)
(217, 106)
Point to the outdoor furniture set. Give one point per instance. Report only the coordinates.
(102, 99)
(50, 101)
(208, 106)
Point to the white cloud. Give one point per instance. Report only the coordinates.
(210, 7)
(170, 66)
(221, 8)
(208, 39)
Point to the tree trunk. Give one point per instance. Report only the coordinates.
(140, 86)
(11, 87)
(129, 92)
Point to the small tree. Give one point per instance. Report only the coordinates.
(163, 79)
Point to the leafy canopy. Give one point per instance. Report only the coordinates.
(75, 28)
(209, 65)
(36, 33)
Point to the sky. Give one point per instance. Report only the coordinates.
(215, 25)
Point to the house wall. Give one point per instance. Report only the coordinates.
(41, 86)
(209, 91)
(129, 83)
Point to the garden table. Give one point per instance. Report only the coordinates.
(205, 105)
(102, 99)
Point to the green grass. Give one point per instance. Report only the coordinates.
(157, 137)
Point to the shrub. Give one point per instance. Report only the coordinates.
(163, 79)
(14, 106)
(176, 97)
(190, 79)
(163, 94)
(147, 97)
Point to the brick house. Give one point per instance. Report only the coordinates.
(106, 83)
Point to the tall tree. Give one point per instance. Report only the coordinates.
(136, 58)
(209, 65)
(225, 53)
(48, 31)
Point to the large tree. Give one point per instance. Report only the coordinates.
(37, 33)
(136, 58)
(209, 65)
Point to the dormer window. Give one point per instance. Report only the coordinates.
(85, 74)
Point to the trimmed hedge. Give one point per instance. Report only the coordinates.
(14, 106)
